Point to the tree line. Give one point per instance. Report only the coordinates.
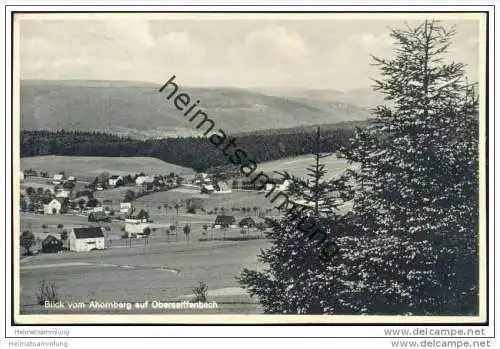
(194, 152)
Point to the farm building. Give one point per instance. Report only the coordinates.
(62, 193)
(207, 189)
(125, 207)
(99, 216)
(86, 239)
(247, 222)
(51, 244)
(54, 206)
(141, 216)
(223, 221)
(223, 188)
(115, 180)
(279, 184)
(136, 228)
(202, 178)
(71, 179)
(144, 180)
(58, 178)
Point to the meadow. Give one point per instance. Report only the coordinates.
(90, 166)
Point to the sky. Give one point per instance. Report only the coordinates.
(310, 52)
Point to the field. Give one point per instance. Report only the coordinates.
(297, 165)
(161, 271)
(89, 166)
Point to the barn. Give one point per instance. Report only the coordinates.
(86, 239)
(51, 244)
(223, 221)
(247, 222)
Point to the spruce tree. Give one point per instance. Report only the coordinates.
(409, 245)
(295, 278)
(415, 250)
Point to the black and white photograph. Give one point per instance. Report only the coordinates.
(246, 168)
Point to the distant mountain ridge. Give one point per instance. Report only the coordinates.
(138, 110)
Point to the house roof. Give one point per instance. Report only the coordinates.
(225, 219)
(98, 214)
(247, 220)
(88, 233)
(49, 200)
(114, 177)
(50, 239)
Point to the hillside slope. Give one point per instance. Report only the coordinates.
(87, 166)
(139, 110)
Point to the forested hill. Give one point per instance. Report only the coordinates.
(138, 110)
(194, 152)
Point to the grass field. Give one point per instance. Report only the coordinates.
(228, 200)
(297, 165)
(90, 166)
(161, 271)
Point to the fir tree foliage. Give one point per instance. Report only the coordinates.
(295, 278)
(409, 244)
(416, 200)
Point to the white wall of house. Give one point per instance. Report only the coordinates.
(113, 181)
(83, 245)
(54, 204)
(125, 207)
(135, 228)
(63, 194)
(143, 179)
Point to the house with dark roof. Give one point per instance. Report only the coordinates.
(99, 216)
(51, 244)
(55, 205)
(115, 181)
(223, 221)
(247, 222)
(86, 239)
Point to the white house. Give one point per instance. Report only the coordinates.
(71, 178)
(132, 227)
(201, 178)
(57, 179)
(113, 180)
(281, 185)
(207, 188)
(62, 193)
(143, 179)
(86, 239)
(224, 188)
(125, 207)
(21, 176)
(52, 207)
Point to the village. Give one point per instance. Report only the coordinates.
(63, 212)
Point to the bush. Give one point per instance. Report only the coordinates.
(47, 292)
(200, 292)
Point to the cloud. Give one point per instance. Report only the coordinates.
(269, 46)
(99, 49)
(310, 54)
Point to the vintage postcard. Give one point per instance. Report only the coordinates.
(250, 168)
